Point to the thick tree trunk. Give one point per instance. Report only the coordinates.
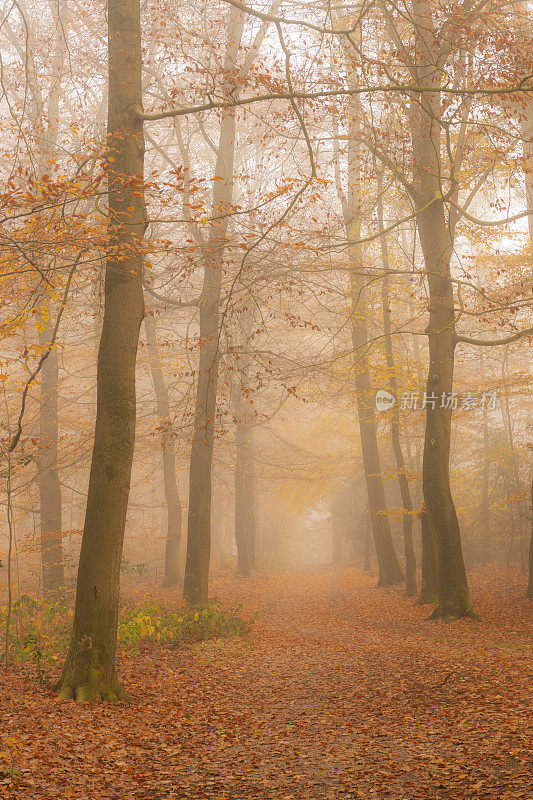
(453, 598)
(407, 517)
(173, 539)
(48, 476)
(195, 587)
(428, 583)
(89, 671)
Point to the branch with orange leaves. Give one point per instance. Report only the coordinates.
(16, 436)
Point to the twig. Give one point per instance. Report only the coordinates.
(425, 686)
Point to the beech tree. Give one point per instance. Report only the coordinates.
(89, 672)
(389, 568)
(403, 482)
(327, 194)
(195, 587)
(173, 537)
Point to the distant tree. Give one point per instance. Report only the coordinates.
(389, 570)
(403, 482)
(170, 482)
(529, 590)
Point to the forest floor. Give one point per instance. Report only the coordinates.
(335, 694)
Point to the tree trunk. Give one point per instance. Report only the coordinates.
(389, 569)
(453, 599)
(529, 590)
(526, 121)
(173, 539)
(218, 529)
(245, 523)
(428, 584)
(45, 120)
(337, 539)
(407, 517)
(48, 476)
(367, 566)
(244, 498)
(518, 527)
(485, 504)
(89, 671)
(195, 586)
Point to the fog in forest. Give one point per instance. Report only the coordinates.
(265, 390)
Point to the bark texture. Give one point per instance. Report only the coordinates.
(436, 239)
(428, 583)
(89, 671)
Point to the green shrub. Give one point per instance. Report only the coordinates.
(154, 622)
(39, 630)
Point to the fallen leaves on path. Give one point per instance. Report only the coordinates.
(334, 695)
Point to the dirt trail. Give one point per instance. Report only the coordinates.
(330, 698)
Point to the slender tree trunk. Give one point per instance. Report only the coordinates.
(172, 500)
(507, 421)
(389, 569)
(407, 517)
(436, 240)
(485, 504)
(428, 584)
(195, 587)
(46, 126)
(218, 524)
(337, 539)
(245, 523)
(527, 137)
(89, 672)
(367, 566)
(526, 121)
(244, 498)
(48, 476)
(529, 589)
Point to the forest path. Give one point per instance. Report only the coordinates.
(328, 699)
